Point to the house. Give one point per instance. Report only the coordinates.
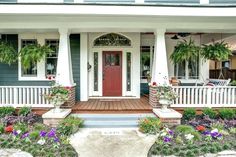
(106, 49)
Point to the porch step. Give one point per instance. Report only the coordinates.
(111, 120)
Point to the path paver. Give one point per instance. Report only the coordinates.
(114, 142)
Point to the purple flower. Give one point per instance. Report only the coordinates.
(14, 132)
(219, 135)
(25, 135)
(167, 139)
(206, 133)
(214, 134)
(56, 139)
(42, 133)
(171, 132)
(52, 133)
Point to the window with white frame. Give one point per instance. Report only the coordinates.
(51, 59)
(32, 70)
(188, 69)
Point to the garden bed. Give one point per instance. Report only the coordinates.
(211, 132)
(24, 130)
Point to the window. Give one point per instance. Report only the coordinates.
(95, 60)
(188, 69)
(146, 60)
(32, 70)
(112, 59)
(51, 60)
(128, 62)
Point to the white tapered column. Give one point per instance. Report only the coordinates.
(160, 67)
(64, 75)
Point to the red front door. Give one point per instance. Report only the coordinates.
(112, 73)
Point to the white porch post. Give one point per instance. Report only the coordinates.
(160, 67)
(83, 67)
(64, 75)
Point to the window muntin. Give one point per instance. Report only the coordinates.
(51, 59)
(112, 59)
(32, 70)
(146, 57)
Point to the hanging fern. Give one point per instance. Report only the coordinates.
(8, 54)
(185, 50)
(217, 51)
(33, 53)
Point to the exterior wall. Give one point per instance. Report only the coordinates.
(75, 56)
(9, 74)
(134, 49)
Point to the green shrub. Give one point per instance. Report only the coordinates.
(7, 110)
(150, 125)
(34, 135)
(69, 125)
(209, 112)
(39, 127)
(21, 126)
(232, 130)
(24, 111)
(185, 129)
(227, 113)
(1, 128)
(189, 113)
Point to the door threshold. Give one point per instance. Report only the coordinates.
(113, 97)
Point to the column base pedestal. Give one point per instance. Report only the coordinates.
(169, 116)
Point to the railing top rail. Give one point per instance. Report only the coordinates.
(204, 86)
(25, 86)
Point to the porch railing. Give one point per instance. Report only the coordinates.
(205, 96)
(18, 96)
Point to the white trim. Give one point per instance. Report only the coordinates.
(116, 10)
(41, 69)
(83, 67)
(135, 64)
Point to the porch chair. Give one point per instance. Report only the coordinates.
(217, 82)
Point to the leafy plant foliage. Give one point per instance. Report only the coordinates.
(8, 54)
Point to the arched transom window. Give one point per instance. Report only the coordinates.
(112, 39)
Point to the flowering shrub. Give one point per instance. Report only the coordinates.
(69, 125)
(166, 92)
(150, 125)
(200, 128)
(58, 94)
(165, 136)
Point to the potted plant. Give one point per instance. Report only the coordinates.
(185, 50)
(58, 96)
(166, 95)
(8, 54)
(217, 51)
(33, 53)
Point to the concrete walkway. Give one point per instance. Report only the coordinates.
(113, 142)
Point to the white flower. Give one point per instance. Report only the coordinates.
(18, 131)
(163, 134)
(215, 130)
(189, 136)
(41, 141)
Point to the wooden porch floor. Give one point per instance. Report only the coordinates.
(113, 106)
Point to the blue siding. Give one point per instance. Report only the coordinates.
(75, 55)
(9, 74)
(8, 1)
(144, 88)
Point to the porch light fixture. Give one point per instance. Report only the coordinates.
(175, 37)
